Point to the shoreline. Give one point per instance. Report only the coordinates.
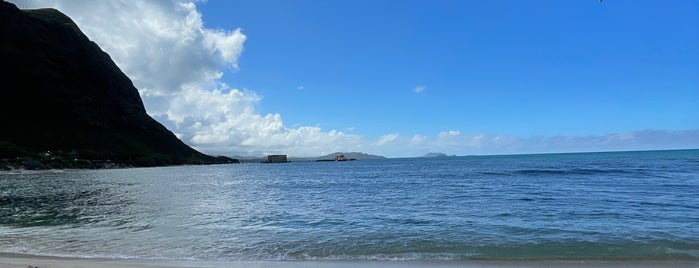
(22, 170)
(16, 260)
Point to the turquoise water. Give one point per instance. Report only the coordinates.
(601, 206)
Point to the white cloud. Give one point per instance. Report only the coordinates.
(450, 133)
(418, 139)
(453, 142)
(161, 45)
(386, 139)
(418, 89)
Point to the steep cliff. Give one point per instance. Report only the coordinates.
(60, 92)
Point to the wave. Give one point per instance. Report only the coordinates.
(544, 251)
(558, 251)
(574, 171)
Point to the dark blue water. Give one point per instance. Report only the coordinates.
(601, 206)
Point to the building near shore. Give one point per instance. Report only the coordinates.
(277, 158)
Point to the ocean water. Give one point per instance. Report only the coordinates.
(590, 206)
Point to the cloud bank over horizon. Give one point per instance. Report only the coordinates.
(453, 142)
(177, 64)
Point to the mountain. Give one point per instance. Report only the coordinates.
(64, 98)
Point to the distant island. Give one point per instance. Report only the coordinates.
(437, 155)
(350, 155)
(65, 104)
(327, 157)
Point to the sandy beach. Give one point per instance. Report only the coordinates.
(26, 261)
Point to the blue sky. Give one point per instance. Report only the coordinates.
(522, 68)
(404, 78)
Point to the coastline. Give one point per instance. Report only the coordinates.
(24, 170)
(12, 260)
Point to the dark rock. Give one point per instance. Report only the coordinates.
(32, 164)
(228, 160)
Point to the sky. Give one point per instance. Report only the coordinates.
(404, 78)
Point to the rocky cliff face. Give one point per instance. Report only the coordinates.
(60, 92)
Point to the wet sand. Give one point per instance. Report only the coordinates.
(26, 261)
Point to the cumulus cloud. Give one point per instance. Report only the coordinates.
(161, 45)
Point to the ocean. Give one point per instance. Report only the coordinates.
(581, 206)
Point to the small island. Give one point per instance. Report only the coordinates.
(436, 155)
(339, 157)
(346, 156)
